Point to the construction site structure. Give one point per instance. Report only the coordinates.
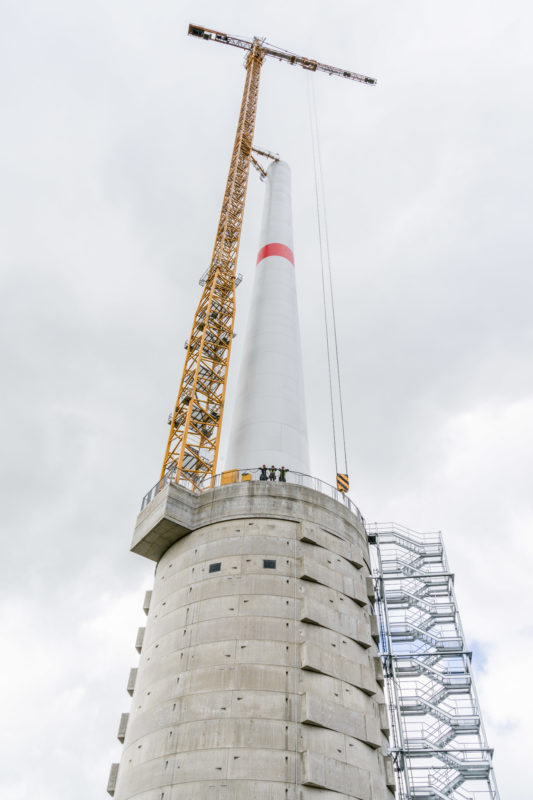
(196, 420)
(438, 742)
(259, 672)
(278, 662)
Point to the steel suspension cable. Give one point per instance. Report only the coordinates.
(322, 272)
(319, 186)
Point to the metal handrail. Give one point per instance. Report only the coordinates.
(297, 478)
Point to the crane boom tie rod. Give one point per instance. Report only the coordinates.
(330, 322)
(196, 421)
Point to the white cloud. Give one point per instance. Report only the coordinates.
(116, 136)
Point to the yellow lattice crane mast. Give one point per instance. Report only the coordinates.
(196, 421)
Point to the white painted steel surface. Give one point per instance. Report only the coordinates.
(269, 423)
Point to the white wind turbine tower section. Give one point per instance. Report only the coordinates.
(269, 420)
(259, 673)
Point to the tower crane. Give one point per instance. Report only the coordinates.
(196, 420)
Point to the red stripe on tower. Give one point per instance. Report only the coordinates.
(276, 249)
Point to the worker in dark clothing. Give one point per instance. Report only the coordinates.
(263, 476)
(282, 472)
(272, 473)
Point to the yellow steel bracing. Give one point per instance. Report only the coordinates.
(195, 424)
(194, 438)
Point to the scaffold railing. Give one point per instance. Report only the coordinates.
(438, 743)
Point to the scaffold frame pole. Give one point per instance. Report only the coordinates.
(438, 741)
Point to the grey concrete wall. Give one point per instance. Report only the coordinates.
(255, 682)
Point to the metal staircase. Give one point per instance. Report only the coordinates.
(438, 742)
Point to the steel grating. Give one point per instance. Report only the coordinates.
(438, 743)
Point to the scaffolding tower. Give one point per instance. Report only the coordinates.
(438, 743)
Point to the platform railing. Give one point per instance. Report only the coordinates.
(254, 474)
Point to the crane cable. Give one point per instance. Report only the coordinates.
(327, 291)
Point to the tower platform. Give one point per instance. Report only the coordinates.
(174, 510)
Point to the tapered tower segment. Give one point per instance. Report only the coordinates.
(269, 420)
(259, 673)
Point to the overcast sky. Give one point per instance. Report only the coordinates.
(115, 141)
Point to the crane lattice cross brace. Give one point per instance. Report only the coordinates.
(196, 421)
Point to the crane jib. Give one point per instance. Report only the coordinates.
(276, 52)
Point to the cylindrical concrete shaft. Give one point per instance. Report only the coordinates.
(269, 423)
(259, 675)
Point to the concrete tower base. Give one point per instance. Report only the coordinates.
(259, 675)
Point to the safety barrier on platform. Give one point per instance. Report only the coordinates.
(238, 476)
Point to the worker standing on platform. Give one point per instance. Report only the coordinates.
(282, 472)
(272, 474)
(263, 476)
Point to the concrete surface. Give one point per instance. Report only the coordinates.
(255, 682)
(176, 511)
